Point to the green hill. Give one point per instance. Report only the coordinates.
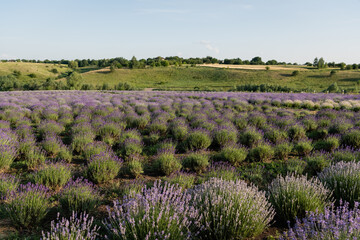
(40, 70)
(206, 78)
(190, 78)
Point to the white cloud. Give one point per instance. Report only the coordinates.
(209, 46)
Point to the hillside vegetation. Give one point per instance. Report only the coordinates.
(218, 79)
(186, 77)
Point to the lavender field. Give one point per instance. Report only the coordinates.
(179, 165)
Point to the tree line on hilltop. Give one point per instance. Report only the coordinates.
(134, 63)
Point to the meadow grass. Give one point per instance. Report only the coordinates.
(206, 78)
(194, 78)
(41, 70)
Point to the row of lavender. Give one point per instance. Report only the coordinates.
(215, 209)
(59, 136)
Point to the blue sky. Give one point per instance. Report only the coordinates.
(286, 30)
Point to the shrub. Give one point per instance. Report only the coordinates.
(163, 211)
(52, 145)
(343, 179)
(65, 154)
(339, 127)
(224, 136)
(8, 183)
(50, 127)
(110, 129)
(27, 206)
(346, 155)
(166, 163)
(232, 154)
(295, 73)
(282, 150)
(79, 196)
(94, 148)
(296, 133)
(103, 167)
(293, 195)
(79, 226)
(351, 139)
(329, 144)
(196, 162)
(34, 157)
(198, 139)
(231, 209)
(53, 175)
(134, 168)
(182, 179)
(303, 148)
(179, 132)
(158, 126)
(261, 153)
(81, 139)
(335, 223)
(221, 170)
(131, 147)
(275, 136)
(317, 162)
(8, 153)
(295, 166)
(250, 138)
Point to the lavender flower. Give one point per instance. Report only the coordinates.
(334, 223)
(231, 209)
(161, 212)
(79, 227)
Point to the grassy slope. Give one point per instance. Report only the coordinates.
(41, 70)
(186, 78)
(220, 78)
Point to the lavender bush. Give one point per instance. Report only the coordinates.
(221, 170)
(161, 212)
(166, 163)
(232, 154)
(182, 179)
(293, 195)
(103, 167)
(334, 223)
(53, 175)
(28, 205)
(8, 183)
(231, 209)
(343, 178)
(8, 153)
(196, 162)
(78, 226)
(79, 195)
(198, 139)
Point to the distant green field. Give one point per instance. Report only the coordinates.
(41, 70)
(193, 78)
(205, 78)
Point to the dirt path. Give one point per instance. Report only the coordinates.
(253, 67)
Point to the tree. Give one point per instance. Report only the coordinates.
(342, 66)
(333, 88)
(321, 63)
(256, 61)
(165, 63)
(134, 63)
(73, 81)
(73, 64)
(316, 61)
